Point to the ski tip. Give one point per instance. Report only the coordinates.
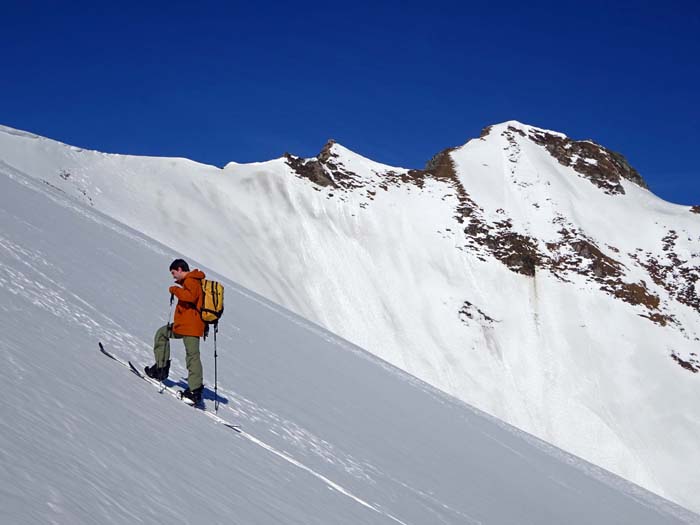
(235, 428)
(105, 352)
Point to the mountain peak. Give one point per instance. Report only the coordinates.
(339, 167)
(603, 167)
(334, 150)
(327, 148)
(497, 264)
(515, 125)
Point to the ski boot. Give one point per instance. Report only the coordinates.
(158, 373)
(193, 396)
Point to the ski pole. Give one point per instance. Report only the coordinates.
(170, 334)
(170, 316)
(216, 379)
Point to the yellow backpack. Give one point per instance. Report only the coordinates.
(212, 301)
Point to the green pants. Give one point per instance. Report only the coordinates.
(161, 350)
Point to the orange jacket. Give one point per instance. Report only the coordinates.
(188, 319)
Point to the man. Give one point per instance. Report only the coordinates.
(187, 325)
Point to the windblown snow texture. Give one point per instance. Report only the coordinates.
(525, 273)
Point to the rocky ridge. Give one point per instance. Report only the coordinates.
(495, 273)
(572, 252)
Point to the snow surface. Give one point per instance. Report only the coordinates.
(563, 361)
(331, 433)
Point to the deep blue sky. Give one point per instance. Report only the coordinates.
(221, 81)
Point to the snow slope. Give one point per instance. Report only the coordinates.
(533, 290)
(331, 433)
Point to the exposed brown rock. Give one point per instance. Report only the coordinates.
(633, 293)
(677, 276)
(516, 251)
(325, 155)
(572, 252)
(660, 319)
(695, 209)
(324, 170)
(521, 253)
(692, 365)
(601, 265)
(603, 167)
(310, 169)
(441, 166)
(470, 311)
(589, 260)
(485, 132)
(517, 130)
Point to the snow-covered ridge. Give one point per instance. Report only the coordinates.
(498, 273)
(18, 133)
(569, 250)
(338, 167)
(525, 128)
(84, 441)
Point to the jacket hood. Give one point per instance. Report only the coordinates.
(195, 274)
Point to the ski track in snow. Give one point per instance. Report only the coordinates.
(83, 314)
(45, 296)
(299, 437)
(32, 277)
(289, 459)
(327, 481)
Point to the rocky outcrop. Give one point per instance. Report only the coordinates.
(485, 132)
(313, 170)
(326, 170)
(470, 312)
(603, 167)
(678, 276)
(692, 364)
(571, 253)
(575, 253)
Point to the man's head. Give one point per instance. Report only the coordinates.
(179, 268)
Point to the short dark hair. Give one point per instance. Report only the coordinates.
(179, 264)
